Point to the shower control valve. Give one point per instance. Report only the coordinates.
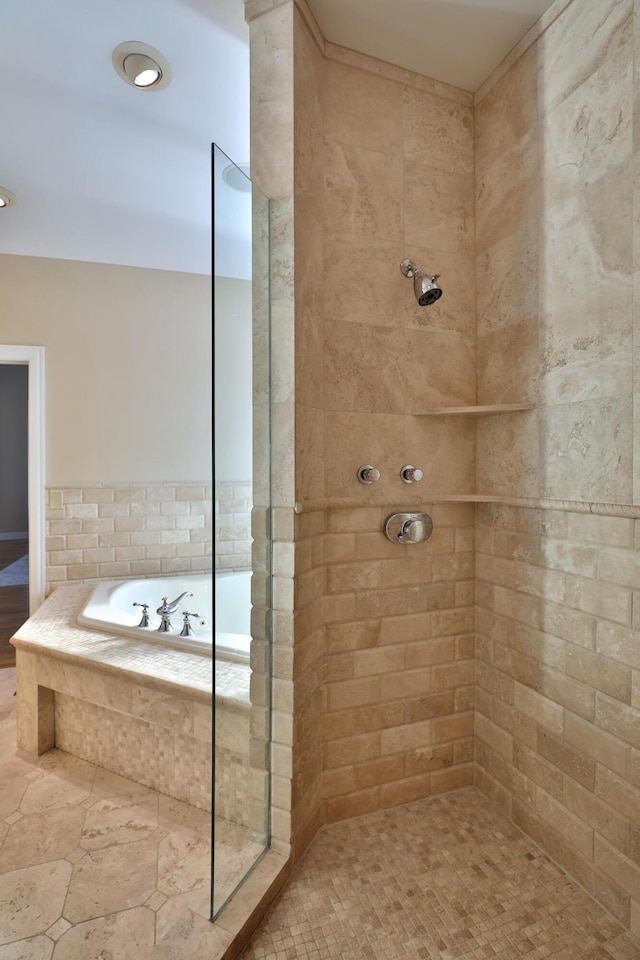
(411, 474)
(408, 527)
(368, 474)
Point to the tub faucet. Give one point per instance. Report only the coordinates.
(166, 609)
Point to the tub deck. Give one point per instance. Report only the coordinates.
(121, 704)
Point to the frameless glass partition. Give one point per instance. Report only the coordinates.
(242, 662)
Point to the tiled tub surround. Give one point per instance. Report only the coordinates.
(232, 525)
(127, 530)
(138, 709)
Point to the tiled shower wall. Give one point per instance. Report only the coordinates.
(399, 668)
(551, 161)
(111, 531)
(558, 705)
(558, 689)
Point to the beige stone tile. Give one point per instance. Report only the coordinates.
(68, 783)
(437, 132)
(345, 91)
(112, 879)
(619, 643)
(451, 445)
(572, 829)
(184, 862)
(507, 455)
(507, 280)
(33, 899)
(353, 201)
(603, 600)
(120, 820)
(585, 450)
(618, 719)
(600, 815)
(508, 366)
(40, 838)
(506, 194)
(33, 948)
(509, 111)
(438, 209)
(128, 935)
(576, 45)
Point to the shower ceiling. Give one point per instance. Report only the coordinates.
(107, 173)
(456, 41)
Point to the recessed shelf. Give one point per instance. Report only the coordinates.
(488, 410)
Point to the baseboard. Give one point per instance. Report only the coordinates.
(23, 535)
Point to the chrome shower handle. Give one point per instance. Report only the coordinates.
(368, 474)
(408, 527)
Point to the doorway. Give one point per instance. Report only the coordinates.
(21, 490)
(14, 504)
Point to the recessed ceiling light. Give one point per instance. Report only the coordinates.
(237, 177)
(141, 66)
(7, 199)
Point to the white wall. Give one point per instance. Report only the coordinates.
(14, 383)
(127, 367)
(233, 384)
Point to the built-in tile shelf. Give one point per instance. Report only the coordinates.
(486, 410)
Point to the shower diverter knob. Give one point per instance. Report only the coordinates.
(411, 474)
(368, 474)
(409, 527)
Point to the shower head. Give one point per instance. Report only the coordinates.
(425, 287)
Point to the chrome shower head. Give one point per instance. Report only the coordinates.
(425, 287)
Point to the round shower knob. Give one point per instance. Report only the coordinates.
(368, 474)
(411, 474)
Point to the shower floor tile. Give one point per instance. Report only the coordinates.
(448, 878)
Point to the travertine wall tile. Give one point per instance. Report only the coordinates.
(143, 530)
(576, 790)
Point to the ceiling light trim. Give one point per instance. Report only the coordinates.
(7, 199)
(130, 57)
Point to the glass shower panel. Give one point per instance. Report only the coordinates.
(242, 663)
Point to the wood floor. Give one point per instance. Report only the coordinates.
(14, 601)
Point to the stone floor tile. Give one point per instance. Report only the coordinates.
(34, 948)
(184, 862)
(111, 880)
(126, 935)
(192, 938)
(197, 901)
(120, 820)
(42, 837)
(11, 793)
(32, 899)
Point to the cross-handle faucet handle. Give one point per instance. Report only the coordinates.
(144, 622)
(187, 629)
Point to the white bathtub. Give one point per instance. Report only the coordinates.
(110, 608)
(233, 616)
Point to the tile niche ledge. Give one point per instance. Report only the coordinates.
(628, 510)
(482, 410)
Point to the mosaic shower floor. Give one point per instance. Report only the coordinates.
(449, 877)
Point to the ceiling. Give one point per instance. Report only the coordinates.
(108, 173)
(456, 41)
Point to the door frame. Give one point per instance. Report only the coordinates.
(33, 357)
